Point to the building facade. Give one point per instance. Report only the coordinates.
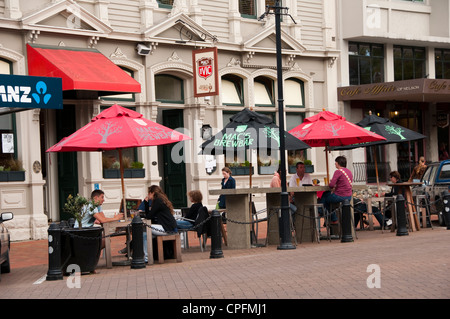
(152, 42)
(394, 63)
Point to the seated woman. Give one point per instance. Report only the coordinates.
(361, 207)
(161, 212)
(195, 197)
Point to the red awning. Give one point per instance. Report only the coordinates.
(80, 69)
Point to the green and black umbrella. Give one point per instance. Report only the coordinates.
(393, 133)
(249, 130)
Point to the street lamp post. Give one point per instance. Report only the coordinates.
(285, 225)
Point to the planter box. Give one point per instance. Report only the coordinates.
(308, 169)
(81, 247)
(267, 170)
(12, 176)
(127, 173)
(241, 170)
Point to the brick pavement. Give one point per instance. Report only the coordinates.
(414, 266)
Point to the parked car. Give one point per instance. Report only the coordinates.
(436, 180)
(4, 243)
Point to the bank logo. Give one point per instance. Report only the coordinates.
(20, 93)
(41, 89)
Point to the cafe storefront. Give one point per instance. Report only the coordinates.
(421, 105)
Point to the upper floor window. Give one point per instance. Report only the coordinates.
(442, 63)
(232, 91)
(169, 89)
(366, 63)
(294, 95)
(409, 63)
(264, 88)
(165, 4)
(247, 8)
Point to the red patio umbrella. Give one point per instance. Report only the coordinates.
(117, 128)
(327, 129)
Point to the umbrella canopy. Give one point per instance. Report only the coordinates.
(117, 128)
(393, 133)
(249, 130)
(327, 129)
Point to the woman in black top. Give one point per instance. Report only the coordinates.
(161, 212)
(395, 178)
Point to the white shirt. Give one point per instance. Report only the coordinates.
(306, 180)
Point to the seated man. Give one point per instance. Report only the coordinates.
(96, 216)
(300, 178)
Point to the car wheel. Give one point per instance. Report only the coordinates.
(5, 267)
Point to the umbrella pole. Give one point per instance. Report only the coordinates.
(376, 168)
(328, 170)
(123, 184)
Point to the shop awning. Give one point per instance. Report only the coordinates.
(80, 70)
(417, 90)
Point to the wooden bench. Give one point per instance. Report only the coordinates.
(175, 239)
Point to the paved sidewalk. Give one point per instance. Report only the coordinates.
(413, 266)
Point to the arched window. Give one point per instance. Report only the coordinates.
(264, 88)
(169, 89)
(294, 93)
(232, 90)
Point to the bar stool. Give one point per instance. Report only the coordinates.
(277, 209)
(314, 221)
(425, 206)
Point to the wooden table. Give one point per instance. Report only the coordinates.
(405, 188)
(110, 228)
(237, 202)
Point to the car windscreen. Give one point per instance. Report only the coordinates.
(444, 174)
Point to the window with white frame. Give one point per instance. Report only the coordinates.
(247, 8)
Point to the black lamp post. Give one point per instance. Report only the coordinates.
(285, 228)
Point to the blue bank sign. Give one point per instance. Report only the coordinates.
(30, 92)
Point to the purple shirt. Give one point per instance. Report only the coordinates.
(341, 184)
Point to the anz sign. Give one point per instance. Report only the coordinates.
(30, 92)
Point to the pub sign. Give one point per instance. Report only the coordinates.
(206, 76)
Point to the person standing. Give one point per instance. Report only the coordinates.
(228, 182)
(419, 170)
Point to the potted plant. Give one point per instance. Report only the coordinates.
(266, 166)
(131, 170)
(292, 161)
(81, 246)
(238, 168)
(309, 168)
(12, 171)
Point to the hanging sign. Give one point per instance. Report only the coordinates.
(206, 76)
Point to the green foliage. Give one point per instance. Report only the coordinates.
(74, 206)
(137, 165)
